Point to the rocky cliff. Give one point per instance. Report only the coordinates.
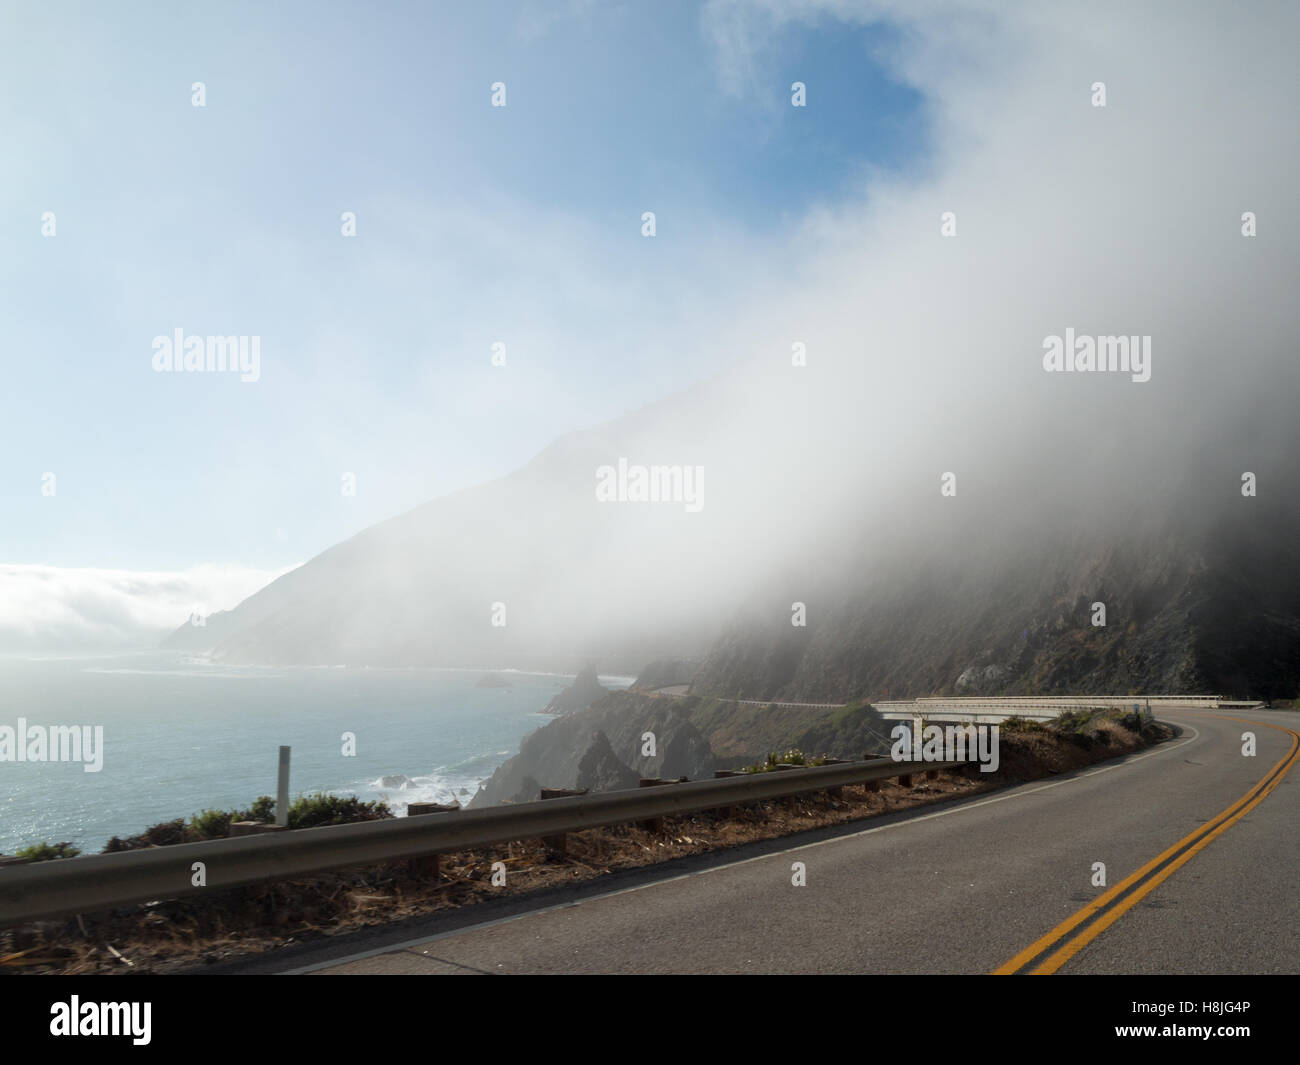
(602, 745)
(1179, 604)
(600, 748)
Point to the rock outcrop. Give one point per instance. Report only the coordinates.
(556, 755)
(579, 695)
(667, 673)
(527, 791)
(601, 770)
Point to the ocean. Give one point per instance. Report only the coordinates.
(182, 735)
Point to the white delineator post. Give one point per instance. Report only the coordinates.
(282, 791)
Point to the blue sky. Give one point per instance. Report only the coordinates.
(474, 225)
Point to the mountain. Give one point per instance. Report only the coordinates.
(1191, 604)
(529, 571)
(906, 590)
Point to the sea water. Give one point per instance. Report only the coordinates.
(181, 735)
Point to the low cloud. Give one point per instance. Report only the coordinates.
(46, 608)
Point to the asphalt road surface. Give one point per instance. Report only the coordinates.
(1201, 846)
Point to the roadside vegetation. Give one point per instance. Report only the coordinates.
(306, 811)
(777, 759)
(46, 852)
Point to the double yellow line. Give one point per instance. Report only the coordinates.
(1060, 946)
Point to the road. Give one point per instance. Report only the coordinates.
(680, 691)
(963, 888)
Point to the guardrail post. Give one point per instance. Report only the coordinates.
(559, 844)
(836, 792)
(427, 866)
(424, 867)
(727, 812)
(282, 791)
(654, 824)
(417, 809)
(790, 801)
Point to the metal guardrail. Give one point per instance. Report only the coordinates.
(1045, 703)
(926, 709)
(94, 882)
(1071, 700)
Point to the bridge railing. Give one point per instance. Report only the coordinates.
(1048, 703)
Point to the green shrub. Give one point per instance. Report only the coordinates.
(307, 811)
(166, 833)
(45, 852)
(1072, 720)
(210, 824)
(311, 811)
(262, 811)
(793, 756)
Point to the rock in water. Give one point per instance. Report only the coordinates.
(579, 695)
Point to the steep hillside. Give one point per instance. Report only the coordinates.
(906, 591)
(1209, 605)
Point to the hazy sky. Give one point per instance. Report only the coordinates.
(474, 225)
(523, 225)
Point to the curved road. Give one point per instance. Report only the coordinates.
(1002, 882)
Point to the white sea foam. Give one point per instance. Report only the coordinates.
(434, 787)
